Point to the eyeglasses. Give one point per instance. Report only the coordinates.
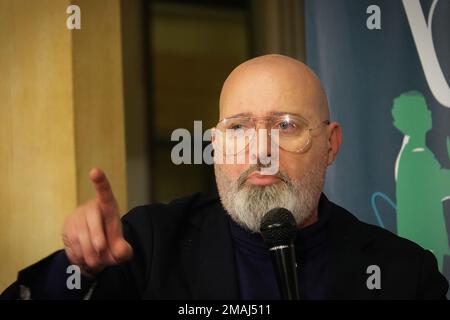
(294, 132)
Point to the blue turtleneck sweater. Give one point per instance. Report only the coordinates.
(256, 275)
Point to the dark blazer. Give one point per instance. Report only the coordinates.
(184, 250)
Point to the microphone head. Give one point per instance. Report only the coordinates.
(278, 227)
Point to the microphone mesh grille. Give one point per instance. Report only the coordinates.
(278, 227)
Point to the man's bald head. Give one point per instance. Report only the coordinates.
(274, 83)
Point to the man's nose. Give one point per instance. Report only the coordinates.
(264, 145)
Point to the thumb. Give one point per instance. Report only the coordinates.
(119, 248)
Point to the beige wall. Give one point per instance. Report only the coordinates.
(61, 112)
(98, 96)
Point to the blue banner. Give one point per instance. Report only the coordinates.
(386, 68)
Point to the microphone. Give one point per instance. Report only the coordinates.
(278, 229)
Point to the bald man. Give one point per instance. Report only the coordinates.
(209, 247)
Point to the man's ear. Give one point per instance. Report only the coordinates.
(334, 141)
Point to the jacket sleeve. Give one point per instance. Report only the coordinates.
(432, 284)
(49, 278)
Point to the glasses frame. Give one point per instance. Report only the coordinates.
(255, 120)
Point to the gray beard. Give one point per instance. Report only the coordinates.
(247, 204)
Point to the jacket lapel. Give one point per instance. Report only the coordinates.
(208, 255)
(348, 261)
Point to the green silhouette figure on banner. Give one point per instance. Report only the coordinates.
(421, 183)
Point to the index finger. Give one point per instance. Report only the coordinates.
(102, 186)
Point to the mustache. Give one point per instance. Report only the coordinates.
(257, 167)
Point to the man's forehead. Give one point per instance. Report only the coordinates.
(276, 85)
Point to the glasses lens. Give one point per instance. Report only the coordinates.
(293, 132)
(235, 134)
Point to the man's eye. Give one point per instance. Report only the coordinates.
(237, 127)
(286, 125)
